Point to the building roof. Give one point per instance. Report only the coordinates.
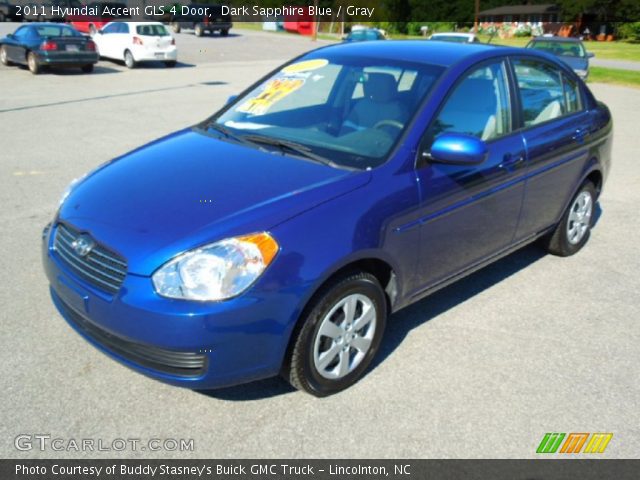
(521, 10)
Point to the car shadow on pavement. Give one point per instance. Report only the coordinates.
(401, 323)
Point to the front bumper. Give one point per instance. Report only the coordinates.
(198, 345)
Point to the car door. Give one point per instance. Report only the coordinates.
(105, 39)
(16, 51)
(555, 127)
(469, 213)
(123, 40)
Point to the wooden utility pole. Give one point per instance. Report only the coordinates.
(314, 35)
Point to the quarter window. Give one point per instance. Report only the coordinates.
(572, 95)
(478, 106)
(542, 93)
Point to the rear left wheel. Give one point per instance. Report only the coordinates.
(33, 63)
(339, 336)
(573, 231)
(224, 32)
(129, 61)
(87, 68)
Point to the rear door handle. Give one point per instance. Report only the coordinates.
(580, 134)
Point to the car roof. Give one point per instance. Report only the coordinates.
(556, 39)
(135, 24)
(418, 51)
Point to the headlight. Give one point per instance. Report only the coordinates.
(217, 271)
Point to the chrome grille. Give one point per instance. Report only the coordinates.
(100, 267)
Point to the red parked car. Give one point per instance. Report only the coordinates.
(92, 23)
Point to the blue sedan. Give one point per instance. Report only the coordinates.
(278, 235)
(48, 45)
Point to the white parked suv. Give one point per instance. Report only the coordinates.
(136, 42)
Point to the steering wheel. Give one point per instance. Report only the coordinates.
(389, 123)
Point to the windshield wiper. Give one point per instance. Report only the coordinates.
(220, 128)
(293, 147)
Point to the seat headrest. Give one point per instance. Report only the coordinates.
(380, 87)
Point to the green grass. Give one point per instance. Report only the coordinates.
(616, 76)
(604, 50)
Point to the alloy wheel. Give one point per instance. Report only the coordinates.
(344, 336)
(579, 219)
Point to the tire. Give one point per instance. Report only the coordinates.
(129, 61)
(198, 30)
(573, 231)
(225, 32)
(33, 63)
(170, 64)
(175, 26)
(328, 354)
(87, 68)
(4, 58)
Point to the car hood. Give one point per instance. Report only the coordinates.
(576, 63)
(189, 189)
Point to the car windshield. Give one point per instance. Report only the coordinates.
(451, 38)
(568, 49)
(348, 110)
(56, 31)
(152, 30)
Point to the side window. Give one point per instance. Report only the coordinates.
(478, 106)
(541, 91)
(111, 28)
(124, 28)
(571, 95)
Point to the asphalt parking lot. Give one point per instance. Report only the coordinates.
(482, 369)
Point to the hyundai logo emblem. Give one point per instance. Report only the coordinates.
(83, 245)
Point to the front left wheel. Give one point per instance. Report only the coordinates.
(4, 57)
(339, 335)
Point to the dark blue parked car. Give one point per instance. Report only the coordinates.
(570, 50)
(48, 45)
(278, 235)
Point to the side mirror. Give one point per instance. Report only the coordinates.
(457, 149)
(231, 99)
(591, 54)
(11, 36)
(99, 32)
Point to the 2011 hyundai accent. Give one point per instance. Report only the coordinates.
(278, 235)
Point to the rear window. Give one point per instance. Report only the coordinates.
(152, 30)
(56, 31)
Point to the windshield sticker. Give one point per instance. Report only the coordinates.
(305, 66)
(274, 91)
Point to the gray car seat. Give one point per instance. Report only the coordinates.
(380, 102)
